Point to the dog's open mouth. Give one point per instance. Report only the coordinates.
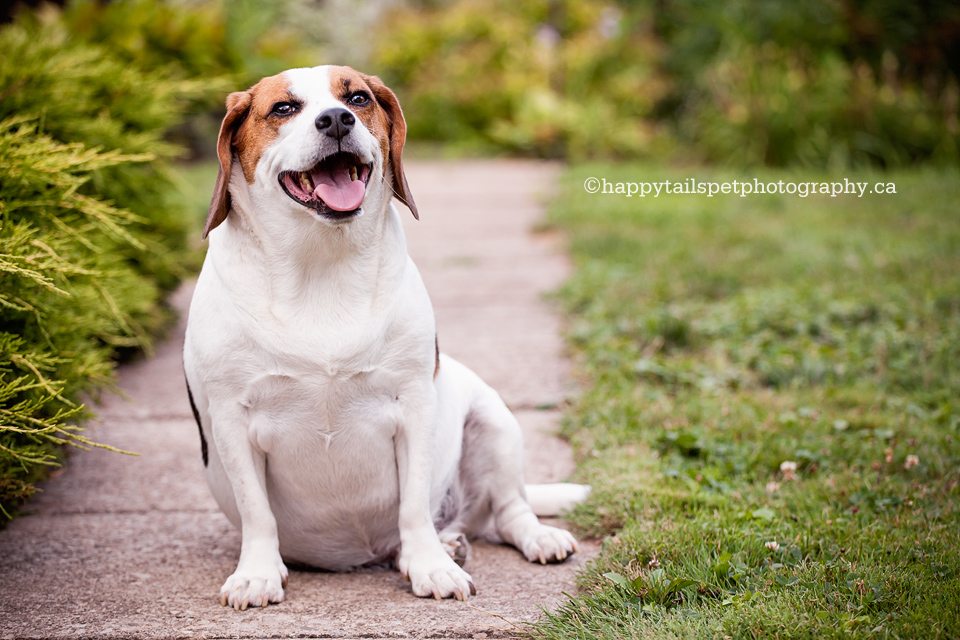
(335, 187)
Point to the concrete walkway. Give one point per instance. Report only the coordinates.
(124, 547)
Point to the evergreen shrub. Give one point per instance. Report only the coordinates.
(90, 234)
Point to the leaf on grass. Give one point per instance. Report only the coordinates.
(617, 579)
(763, 513)
(679, 584)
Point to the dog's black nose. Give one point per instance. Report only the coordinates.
(336, 122)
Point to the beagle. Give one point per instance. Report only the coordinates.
(340, 436)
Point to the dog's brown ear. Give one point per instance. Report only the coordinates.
(238, 104)
(398, 135)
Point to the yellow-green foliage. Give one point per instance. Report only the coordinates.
(819, 83)
(773, 105)
(243, 39)
(89, 235)
(571, 78)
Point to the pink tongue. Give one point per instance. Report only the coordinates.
(337, 190)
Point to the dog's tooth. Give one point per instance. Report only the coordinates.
(305, 181)
(353, 172)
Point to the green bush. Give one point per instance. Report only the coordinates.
(772, 106)
(226, 44)
(817, 84)
(90, 235)
(575, 78)
(241, 39)
(746, 82)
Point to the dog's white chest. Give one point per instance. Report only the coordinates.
(325, 438)
(311, 412)
(307, 416)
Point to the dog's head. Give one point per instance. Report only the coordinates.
(324, 141)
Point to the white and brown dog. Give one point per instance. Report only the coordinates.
(340, 436)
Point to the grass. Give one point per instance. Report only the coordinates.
(771, 409)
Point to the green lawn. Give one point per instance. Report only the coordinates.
(723, 340)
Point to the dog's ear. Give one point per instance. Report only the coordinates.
(238, 105)
(398, 135)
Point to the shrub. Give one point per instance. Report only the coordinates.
(555, 79)
(226, 44)
(819, 84)
(90, 236)
(776, 107)
(743, 82)
(242, 39)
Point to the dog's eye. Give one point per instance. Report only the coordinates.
(284, 109)
(359, 98)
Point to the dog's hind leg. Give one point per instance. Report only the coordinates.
(491, 482)
(455, 544)
(450, 526)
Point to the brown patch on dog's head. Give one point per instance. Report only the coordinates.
(383, 118)
(262, 126)
(249, 127)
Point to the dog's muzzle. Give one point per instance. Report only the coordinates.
(334, 187)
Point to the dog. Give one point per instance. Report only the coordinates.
(339, 435)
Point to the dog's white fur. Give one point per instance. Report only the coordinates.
(310, 354)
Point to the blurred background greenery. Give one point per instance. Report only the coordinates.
(827, 83)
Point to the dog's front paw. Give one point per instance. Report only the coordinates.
(255, 585)
(548, 544)
(436, 575)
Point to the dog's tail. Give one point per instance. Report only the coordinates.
(554, 499)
